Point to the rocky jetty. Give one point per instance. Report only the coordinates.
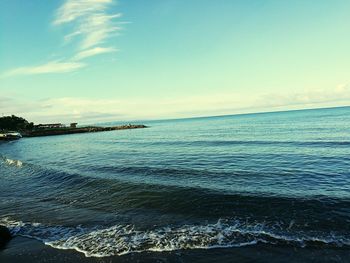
(63, 131)
(5, 236)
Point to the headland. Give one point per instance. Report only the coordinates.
(13, 127)
(69, 130)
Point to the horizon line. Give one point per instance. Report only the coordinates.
(225, 115)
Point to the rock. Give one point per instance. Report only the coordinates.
(5, 236)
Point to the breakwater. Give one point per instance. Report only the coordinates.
(64, 131)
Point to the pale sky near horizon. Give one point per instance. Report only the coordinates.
(106, 60)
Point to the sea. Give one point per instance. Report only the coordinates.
(187, 190)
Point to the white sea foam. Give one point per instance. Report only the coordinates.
(124, 239)
(13, 162)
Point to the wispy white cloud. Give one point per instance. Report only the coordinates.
(91, 22)
(50, 67)
(93, 52)
(90, 19)
(70, 36)
(74, 9)
(97, 29)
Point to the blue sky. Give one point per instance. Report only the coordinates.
(103, 60)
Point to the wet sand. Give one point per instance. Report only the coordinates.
(29, 251)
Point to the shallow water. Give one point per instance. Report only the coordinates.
(281, 179)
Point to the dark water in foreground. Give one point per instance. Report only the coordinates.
(278, 179)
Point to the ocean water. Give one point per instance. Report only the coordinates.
(277, 179)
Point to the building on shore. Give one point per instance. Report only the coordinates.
(73, 125)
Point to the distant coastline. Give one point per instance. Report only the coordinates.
(13, 127)
(64, 131)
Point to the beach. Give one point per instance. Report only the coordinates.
(32, 251)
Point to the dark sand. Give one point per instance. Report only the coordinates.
(30, 251)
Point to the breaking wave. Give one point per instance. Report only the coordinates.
(11, 162)
(124, 239)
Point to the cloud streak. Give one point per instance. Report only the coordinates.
(93, 52)
(90, 19)
(50, 67)
(74, 9)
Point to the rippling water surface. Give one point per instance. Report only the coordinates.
(281, 179)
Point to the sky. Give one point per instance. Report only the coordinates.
(91, 61)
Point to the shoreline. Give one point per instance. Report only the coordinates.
(23, 249)
(89, 129)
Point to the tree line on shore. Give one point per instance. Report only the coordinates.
(14, 123)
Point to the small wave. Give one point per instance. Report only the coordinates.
(124, 239)
(11, 162)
